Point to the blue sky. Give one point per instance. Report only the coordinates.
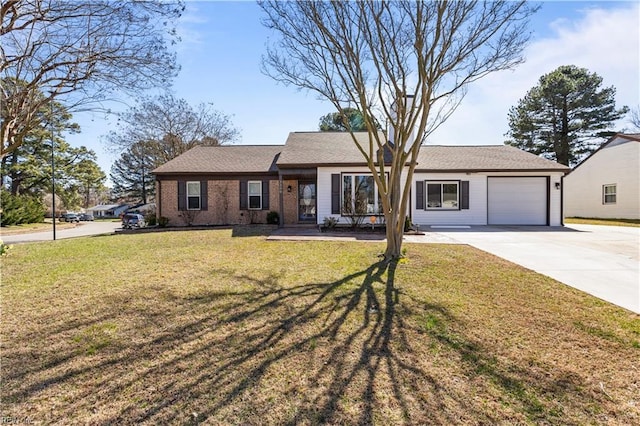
(222, 44)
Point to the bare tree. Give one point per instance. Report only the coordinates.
(169, 126)
(370, 55)
(79, 53)
(635, 118)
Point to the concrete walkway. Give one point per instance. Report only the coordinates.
(600, 260)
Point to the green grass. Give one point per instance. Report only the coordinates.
(607, 222)
(224, 327)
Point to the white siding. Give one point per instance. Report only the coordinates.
(475, 215)
(324, 190)
(616, 163)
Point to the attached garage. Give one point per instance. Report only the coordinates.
(518, 200)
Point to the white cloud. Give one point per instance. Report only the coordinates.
(605, 41)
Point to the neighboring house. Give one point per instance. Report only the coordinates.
(322, 174)
(108, 210)
(607, 183)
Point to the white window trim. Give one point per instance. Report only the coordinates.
(199, 196)
(376, 196)
(605, 194)
(441, 182)
(249, 195)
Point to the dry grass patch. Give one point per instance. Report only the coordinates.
(635, 223)
(224, 327)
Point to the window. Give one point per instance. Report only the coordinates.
(193, 196)
(360, 195)
(255, 195)
(609, 194)
(442, 195)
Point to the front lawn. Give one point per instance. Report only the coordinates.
(223, 327)
(607, 222)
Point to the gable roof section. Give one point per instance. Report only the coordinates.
(224, 159)
(310, 149)
(318, 149)
(617, 139)
(482, 158)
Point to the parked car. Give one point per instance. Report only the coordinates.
(133, 221)
(69, 217)
(86, 217)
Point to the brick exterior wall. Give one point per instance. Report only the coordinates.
(223, 200)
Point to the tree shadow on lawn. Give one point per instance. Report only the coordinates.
(357, 350)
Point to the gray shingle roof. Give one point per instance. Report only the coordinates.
(310, 149)
(225, 159)
(315, 148)
(482, 158)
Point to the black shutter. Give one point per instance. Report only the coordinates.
(464, 194)
(265, 194)
(419, 195)
(243, 195)
(335, 193)
(182, 195)
(204, 205)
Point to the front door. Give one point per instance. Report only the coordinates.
(306, 201)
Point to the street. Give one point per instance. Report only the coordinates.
(83, 229)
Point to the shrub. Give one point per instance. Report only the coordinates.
(273, 218)
(19, 209)
(330, 222)
(163, 221)
(4, 248)
(150, 219)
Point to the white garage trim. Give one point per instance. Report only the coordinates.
(521, 200)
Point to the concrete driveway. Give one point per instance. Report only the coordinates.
(600, 260)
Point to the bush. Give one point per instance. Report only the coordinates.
(273, 218)
(4, 248)
(150, 219)
(330, 222)
(163, 221)
(19, 209)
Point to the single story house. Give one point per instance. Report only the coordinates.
(607, 183)
(108, 210)
(317, 175)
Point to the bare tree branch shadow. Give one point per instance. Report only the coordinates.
(216, 353)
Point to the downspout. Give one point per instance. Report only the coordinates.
(159, 199)
(562, 200)
(281, 201)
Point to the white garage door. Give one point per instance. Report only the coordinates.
(517, 201)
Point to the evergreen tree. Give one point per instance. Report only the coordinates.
(131, 173)
(349, 120)
(565, 117)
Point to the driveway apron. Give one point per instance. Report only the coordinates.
(600, 260)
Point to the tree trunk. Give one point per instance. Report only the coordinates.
(394, 242)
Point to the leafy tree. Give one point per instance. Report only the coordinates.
(27, 169)
(131, 173)
(79, 53)
(169, 126)
(371, 55)
(89, 181)
(565, 117)
(349, 120)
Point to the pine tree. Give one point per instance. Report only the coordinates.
(565, 117)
